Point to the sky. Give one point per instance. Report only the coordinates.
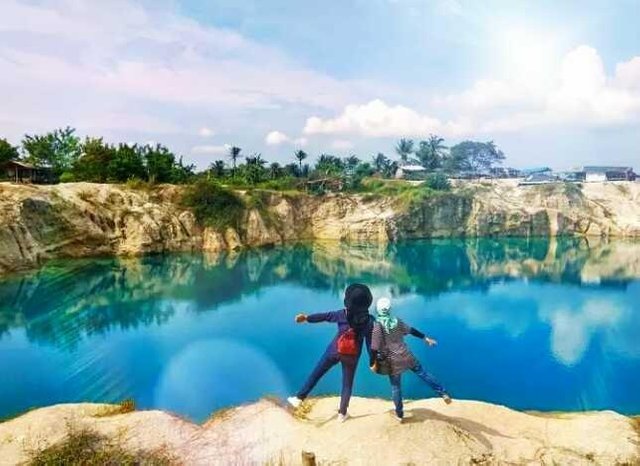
(551, 82)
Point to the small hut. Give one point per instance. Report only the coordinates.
(21, 172)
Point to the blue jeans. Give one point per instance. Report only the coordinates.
(349, 364)
(396, 386)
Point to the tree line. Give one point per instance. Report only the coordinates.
(72, 159)
(467, 156)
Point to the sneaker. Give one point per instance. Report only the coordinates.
(447, 399)
(343, 417)
(294, 401)
(399, 419)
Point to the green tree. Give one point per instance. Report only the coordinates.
(58, 149)
(431, 152)
(404, 149)
(127, 164)
(217, 168)
(300, 155)
(95, 156)
(351, 162)
(253, 171)
(291, 169)
(474, 156)
(438, 182)
(181, 173)
(329, 165)
(234, 153)
(275, 171)
(7, 152)
(160, 163)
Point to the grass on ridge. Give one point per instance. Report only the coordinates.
(85, 447)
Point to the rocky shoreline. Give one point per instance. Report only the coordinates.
(84, 219)
(265, 432)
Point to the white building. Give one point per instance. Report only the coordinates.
(411, 172)
(599, 174)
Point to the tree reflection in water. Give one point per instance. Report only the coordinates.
(66, 299)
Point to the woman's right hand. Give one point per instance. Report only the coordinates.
(374, 367)
(300, 318)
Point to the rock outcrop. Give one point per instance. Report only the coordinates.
(466, 432)
(82, 219)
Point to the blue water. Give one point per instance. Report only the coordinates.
(533, 324)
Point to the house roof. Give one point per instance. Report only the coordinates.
(19, 164)
(413, 168)
(540, 177)
(604, 169)
(532, 170)
(25, 165)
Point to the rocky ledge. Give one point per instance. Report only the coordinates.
(466, 432)
(83, 219)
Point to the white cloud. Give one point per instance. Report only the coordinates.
(206, 132)
(377, 119)
(579, 94)
(276, 138)
(98, 58)
(210, 149)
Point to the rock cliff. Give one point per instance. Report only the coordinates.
(465, 432)
(82, 219)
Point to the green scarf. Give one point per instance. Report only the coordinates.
(387, 321)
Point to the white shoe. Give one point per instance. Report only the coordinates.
(343, 417)
(399, 419)
(294, 401)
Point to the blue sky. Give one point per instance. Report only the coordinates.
(551, 82)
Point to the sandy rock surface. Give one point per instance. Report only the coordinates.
(466, 432)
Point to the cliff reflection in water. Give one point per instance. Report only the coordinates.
(534, 324)
(66, 299)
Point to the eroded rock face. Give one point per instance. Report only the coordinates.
(82, 219)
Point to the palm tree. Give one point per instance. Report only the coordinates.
(300, 155)
(217, 168)
(404, 148)
(352, 161)
(256, 159)
(381, 163)
(234, 153)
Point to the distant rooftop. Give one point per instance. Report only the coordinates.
(604, 169)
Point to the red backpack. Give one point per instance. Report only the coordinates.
(348, 343)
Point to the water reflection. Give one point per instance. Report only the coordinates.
(161, 327)
(66, 299)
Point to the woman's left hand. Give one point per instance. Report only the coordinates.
(430, 341)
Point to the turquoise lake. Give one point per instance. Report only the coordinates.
(533, 324)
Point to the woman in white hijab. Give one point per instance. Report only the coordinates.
(391, 356)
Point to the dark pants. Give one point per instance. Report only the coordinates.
(349, 364)
(396, 386)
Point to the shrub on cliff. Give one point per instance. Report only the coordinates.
(213, 205)
(438, 182)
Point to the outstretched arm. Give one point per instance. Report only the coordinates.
(418, 334)
(319, 317)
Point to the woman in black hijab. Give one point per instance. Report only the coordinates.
(354, 327)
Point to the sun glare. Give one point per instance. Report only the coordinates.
(528, 56)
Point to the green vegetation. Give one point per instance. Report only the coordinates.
(94, 160)
(438, 182)
(85, 447)
(214, 205)
(7, 151)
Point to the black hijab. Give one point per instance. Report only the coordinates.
(357, 299)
